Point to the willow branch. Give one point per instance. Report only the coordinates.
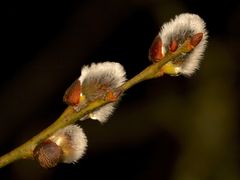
(70, 116)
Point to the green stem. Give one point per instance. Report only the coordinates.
(151, 71)
(70, 116)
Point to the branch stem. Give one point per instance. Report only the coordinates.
(151, 71)
(70, 116)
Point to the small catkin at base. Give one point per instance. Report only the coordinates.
(72, 141)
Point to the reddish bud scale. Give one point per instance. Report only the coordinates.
(173, 46)
(155, 51)
(48, 154)
(196, 39)
(113, 96)
(72, 94)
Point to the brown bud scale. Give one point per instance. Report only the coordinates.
(173, 46)
(196, 39)
(155, 51)
(48, 154)
(72, 94)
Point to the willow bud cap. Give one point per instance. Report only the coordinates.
(195, 40)
(72, 94)
(155, 51)
(48, 154)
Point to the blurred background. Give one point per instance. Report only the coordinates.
(171, 128)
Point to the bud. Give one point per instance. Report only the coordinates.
(155, 51)
(196, 39)
(72, 94)
(94, 83)
(48, 154)
(72, 141)
(173, 46)
(174, 33)
(67, 145)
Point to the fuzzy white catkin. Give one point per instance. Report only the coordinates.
(106, 72)
(110, 73)
(182, 26)
(73, 142)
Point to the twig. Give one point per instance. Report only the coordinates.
(70, 116)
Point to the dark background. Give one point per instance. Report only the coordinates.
(168, 128)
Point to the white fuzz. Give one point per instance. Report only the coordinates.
(73, 142)
(111, 72)
(98, 78)
(103, 113)
(184, 26)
